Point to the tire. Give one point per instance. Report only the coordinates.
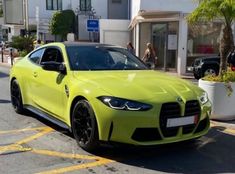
(16, 97)
(210, 71)
(196, 76)
(84, 126)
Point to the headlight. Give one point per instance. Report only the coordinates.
(124, 104)
(203, 98)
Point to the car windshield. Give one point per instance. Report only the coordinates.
(88, 58)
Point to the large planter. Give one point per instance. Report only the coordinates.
(223, 106)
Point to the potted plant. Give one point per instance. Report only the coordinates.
(220, 89)
(221, 93)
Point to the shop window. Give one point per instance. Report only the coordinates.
(54, 4)
(85, 5)
(203, 40)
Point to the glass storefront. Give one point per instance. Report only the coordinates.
(203, 40)
(164, 38)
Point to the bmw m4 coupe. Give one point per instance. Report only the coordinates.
(104, 93)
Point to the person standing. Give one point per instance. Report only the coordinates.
(38, 44)
(150, 56)
(130, 48)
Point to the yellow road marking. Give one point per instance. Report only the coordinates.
(17, 145)
(31, 138)
(77, 167)
(229, 131)
(13, 147)
(64, 155)
(21, 130)
(225, 130)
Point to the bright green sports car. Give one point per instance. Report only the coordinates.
(104, 93)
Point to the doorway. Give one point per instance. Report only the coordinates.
(165, 43)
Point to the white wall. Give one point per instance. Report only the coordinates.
(47, 14)
(15, 31)
(135, 8)
(42, 9)
(114, 32)
(184, 6)
(101, 8)
(101, 12)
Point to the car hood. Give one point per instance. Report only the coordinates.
(138, 85)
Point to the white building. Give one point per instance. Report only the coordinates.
(163, 23)
(160, 22)
(22, 15)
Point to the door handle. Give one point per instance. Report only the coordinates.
(35, 74)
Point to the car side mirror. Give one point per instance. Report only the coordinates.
(54, 66)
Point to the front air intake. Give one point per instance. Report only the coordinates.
(169, 110)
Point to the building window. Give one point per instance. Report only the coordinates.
(203, 40)
(85, 5)
(54, 4)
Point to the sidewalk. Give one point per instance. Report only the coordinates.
(5, 64)
(186, 76)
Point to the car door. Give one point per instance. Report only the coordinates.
(29, 74)
(48, 86)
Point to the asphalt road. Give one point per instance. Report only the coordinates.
(32, 145)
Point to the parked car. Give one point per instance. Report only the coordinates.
(204, 66)
(104, 93)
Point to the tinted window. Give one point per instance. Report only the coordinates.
(52, 54)
(36, 56)
(102, 58)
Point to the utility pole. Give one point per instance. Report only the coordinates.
(37, 19)
(26, 20)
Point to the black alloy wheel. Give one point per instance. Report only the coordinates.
(84, 126)
(16, 97)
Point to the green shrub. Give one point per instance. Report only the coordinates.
(23, 53)
(62, 23)
(23, 43)
(228, 76)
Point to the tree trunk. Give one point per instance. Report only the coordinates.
(226, 44)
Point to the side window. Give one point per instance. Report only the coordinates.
(36, 56)
(52, 55)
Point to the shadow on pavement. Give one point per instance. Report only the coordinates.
(48, 123)
(212, 153)
(3, 75)
(2, 101)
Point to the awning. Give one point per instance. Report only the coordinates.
(154, 16)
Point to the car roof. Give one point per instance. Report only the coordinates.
(208, 58)
(87, 44)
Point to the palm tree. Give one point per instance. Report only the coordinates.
(223, 10)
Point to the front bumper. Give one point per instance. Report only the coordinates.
(145, 128)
